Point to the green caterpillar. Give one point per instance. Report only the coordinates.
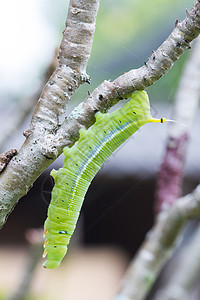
(81, 164)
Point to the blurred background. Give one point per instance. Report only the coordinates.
(118, 209)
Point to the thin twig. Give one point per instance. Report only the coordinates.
(24, 107)
(74, 53)
(34, 238)
(6, 157)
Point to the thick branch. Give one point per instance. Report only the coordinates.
(44, 143)
(73, 57)
(157, 247)
(36, 154)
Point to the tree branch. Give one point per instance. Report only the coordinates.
(35, 155)
(170, 175)
(158, 246)
(74, 53)
(25, 106)
(34, 256)
(182, 280)
(108, 93)
(6, 157)
(45, 141)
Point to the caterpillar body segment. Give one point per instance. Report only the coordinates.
(81, 164)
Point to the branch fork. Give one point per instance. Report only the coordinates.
(47, 138)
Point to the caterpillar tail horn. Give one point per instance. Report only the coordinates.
(161, 120)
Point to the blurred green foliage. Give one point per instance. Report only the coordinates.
(131, 21)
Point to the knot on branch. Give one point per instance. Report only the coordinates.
(51, 146)
(27, 133)
(6, 157)
(50, 153)
(85, 78)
